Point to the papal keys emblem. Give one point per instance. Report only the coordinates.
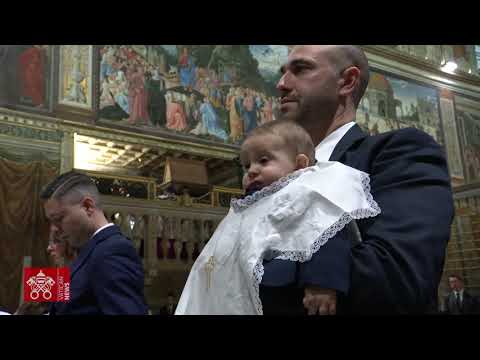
(46, 284)
(40, 283)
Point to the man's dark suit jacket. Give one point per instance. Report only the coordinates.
(397, 267)
(469, 305)
(106, 278)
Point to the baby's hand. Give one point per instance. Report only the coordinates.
(320, 301)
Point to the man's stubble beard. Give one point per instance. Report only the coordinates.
(306, 115)
(81, 238)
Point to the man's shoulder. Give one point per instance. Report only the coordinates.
(406, 135)
(114, 243)
(400, 143)
(466, 294)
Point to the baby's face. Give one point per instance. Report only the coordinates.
(265, 159)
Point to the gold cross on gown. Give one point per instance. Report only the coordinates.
(209, 266)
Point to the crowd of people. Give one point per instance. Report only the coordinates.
(187, 98)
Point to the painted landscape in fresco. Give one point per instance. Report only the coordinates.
(391, 103)
(214, 92)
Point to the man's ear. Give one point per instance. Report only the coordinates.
(302, 161)
(89, 204)
(351, 78)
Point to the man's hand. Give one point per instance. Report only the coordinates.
(320, 301)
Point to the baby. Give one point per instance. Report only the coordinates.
(292, 207)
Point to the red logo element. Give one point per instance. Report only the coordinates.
(46, 284)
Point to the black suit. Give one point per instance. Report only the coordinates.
(106, 278)
(398, 266)
(468, 305)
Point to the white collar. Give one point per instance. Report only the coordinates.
(324, 150)
(103, 227)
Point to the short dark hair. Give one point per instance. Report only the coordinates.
(294, 136)
(68, 183)
(456, 277)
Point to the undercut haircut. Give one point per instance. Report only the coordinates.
(72, 185)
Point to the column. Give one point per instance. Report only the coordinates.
(67, 152)
(151, 240)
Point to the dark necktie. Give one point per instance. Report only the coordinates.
(459, 303)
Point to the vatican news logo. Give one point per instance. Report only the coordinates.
(46, 284)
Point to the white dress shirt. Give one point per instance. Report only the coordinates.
(103, 227)
(324, 150)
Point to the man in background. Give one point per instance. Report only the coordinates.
(107, 275)
(459, 301)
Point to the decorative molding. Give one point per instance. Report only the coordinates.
(171, 144)
(23, 139)
(418, 70)
(67, 153)
(419, 64)
(30, 133)
(10, 150)
(467, 103)
(162, 208)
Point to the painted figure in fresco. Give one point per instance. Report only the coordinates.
(190, 107)
(31, 74)
(77, 82)
(142, 98)
(137, 97)
(157, 77)
(157, 107)
(250, 112)
(106, 97)
(210, 120)
(200, 129)
(267, 110)
(119, 107)
(175, 114)
(227, 76)
(121, 96)
(187, 70)
(215, 96)
(472, 161)
(130, 54)
(469, 163)
(258, 100)
(236, 123)
(5, 87)
(106, 65)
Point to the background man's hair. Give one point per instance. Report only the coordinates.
(455, 276)
(74, 184)
(293, 135)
